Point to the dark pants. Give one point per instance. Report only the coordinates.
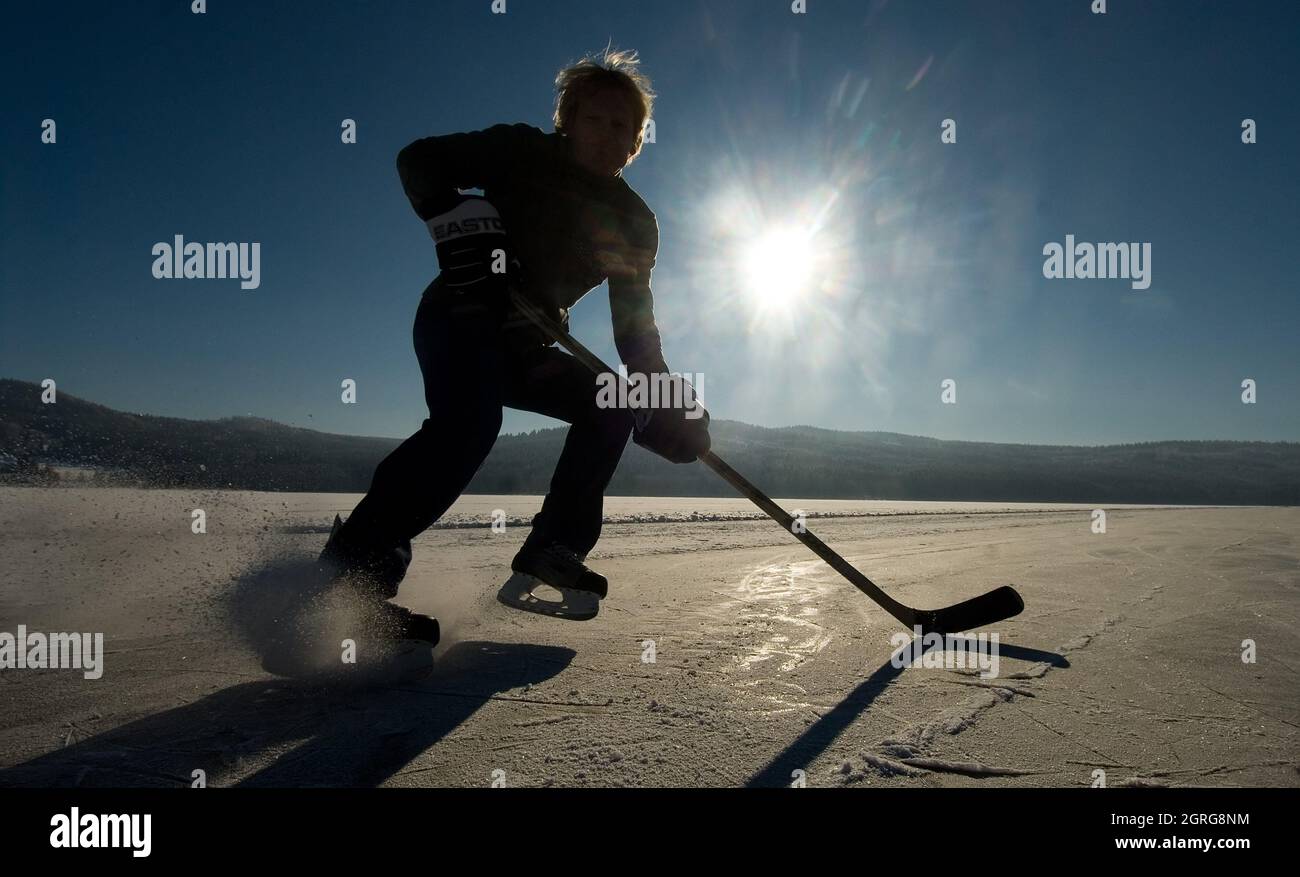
(471, 369)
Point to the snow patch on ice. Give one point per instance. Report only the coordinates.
(888, 767)
(967, 768)
(1141, 783)
(955, 721)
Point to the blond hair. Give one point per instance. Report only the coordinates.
(613, 68)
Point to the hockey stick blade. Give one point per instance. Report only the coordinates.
(997, 605)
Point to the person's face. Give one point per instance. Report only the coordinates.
(603, 132)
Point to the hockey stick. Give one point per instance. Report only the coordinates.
(996, 605)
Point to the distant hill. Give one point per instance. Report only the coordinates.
(250, 453)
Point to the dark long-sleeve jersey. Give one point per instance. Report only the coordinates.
(571, 230)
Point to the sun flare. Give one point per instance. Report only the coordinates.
(778, 267)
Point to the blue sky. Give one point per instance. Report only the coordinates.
(1116, 127)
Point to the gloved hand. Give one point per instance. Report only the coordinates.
(474, 253)
(678, 428)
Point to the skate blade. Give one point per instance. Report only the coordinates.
(517, 593)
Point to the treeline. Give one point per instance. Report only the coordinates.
(249, 453)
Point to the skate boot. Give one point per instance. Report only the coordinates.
(560, 567)
(398, 622)
(375, 576)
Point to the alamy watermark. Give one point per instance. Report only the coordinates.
(1103, 261)
(194, 261)
(642, 391)
(55, 651)
(77, 830)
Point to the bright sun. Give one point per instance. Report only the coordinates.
(778, 267)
